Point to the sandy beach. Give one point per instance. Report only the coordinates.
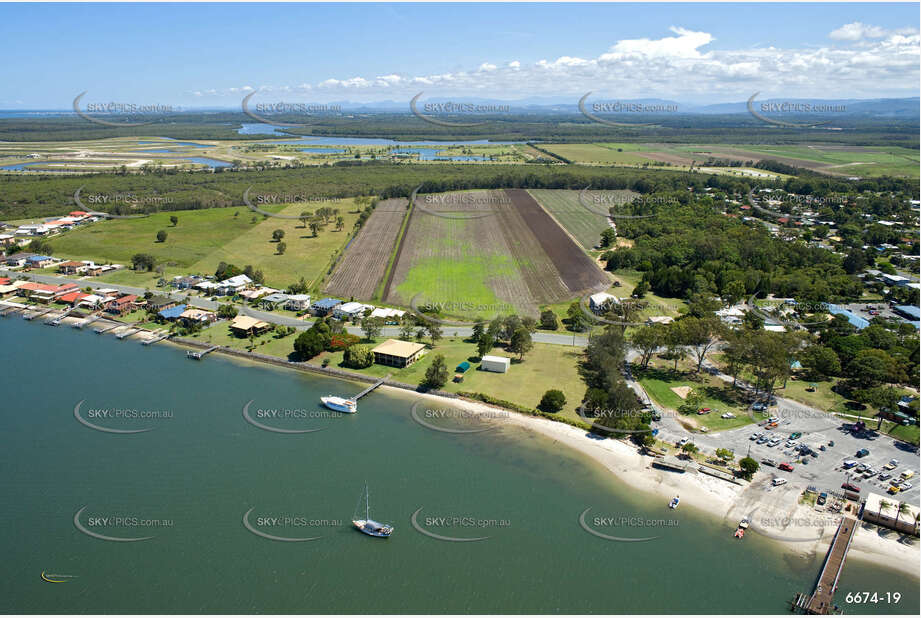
(801, 529)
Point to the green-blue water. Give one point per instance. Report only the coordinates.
(204, 467)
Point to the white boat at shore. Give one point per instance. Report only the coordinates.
(339, 404)
(367, 525)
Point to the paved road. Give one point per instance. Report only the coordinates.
(275, 318)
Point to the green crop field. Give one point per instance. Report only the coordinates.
(623, 154)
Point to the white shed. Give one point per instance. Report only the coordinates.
(499, 364)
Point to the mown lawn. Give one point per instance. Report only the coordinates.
(719, 396)
(544, 367)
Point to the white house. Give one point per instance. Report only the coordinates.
(601, 301)
(349, 311)
(298, 302)
(234, 285)
(498, 364)
(390, 316)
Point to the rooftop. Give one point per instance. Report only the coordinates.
(401, 349)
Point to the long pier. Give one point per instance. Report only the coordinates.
(370, 388)
(131, 331)
(821, 601)
(201, 353)
(105, 329)
(56, 321)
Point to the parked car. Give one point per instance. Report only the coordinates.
(769, 462)
(893, 463)
(813, 454)
(754, 436)
(859, 469)
(893, 489)
(849, 463)
(850, 487)
(822, 499)
(905, 486)
(907, 475)
(704, 411)
(762, 440)
(785, 466)
(778, 481)
(759, 406)
(796, 435)
(863, 452)
(682, 441)
(831, 443)
(884, 475)
(727, 415)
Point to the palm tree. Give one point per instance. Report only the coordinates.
(903, 509)
(884, 505)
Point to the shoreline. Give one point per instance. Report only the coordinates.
(716, 497)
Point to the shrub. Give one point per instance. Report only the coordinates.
(358, 356)
(552, 401)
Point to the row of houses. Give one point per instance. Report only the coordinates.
(61, 224)
(354, 310)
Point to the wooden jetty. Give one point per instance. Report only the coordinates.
(105, 329)
(200, 353)
(370, 388)
(822, 600)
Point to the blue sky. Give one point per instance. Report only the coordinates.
(212, 54)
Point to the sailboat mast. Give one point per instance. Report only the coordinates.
(367, 504)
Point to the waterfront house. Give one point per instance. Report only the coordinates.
(43, 293)
(190, 316)
(396, 353)
(244, 326)
(122, 305)
(172, 313)
(72, 298)
(324, 306)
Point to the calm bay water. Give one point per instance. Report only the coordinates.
(201, 469)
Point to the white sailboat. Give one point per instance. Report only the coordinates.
(339, 404)
(368, 525)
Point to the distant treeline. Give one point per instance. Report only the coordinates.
(43, 195)
(537, 126)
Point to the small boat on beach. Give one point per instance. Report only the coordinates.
(743, 526)
(339, 404)
(367, 525)
(674, 503)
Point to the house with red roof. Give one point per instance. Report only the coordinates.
(122, 305)
(44, 293)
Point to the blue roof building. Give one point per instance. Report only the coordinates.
(173, 312)
(324, 306)
(853, 318)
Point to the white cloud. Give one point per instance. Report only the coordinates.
(856, 31)
(866, 61)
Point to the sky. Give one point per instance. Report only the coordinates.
(211, 55)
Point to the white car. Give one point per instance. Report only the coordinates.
(727, 415)
(682, 441)
(905, 486)
(778, 481)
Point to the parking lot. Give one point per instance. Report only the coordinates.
(825, 472)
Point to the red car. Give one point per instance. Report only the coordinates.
(786, 467)
(850, 487)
